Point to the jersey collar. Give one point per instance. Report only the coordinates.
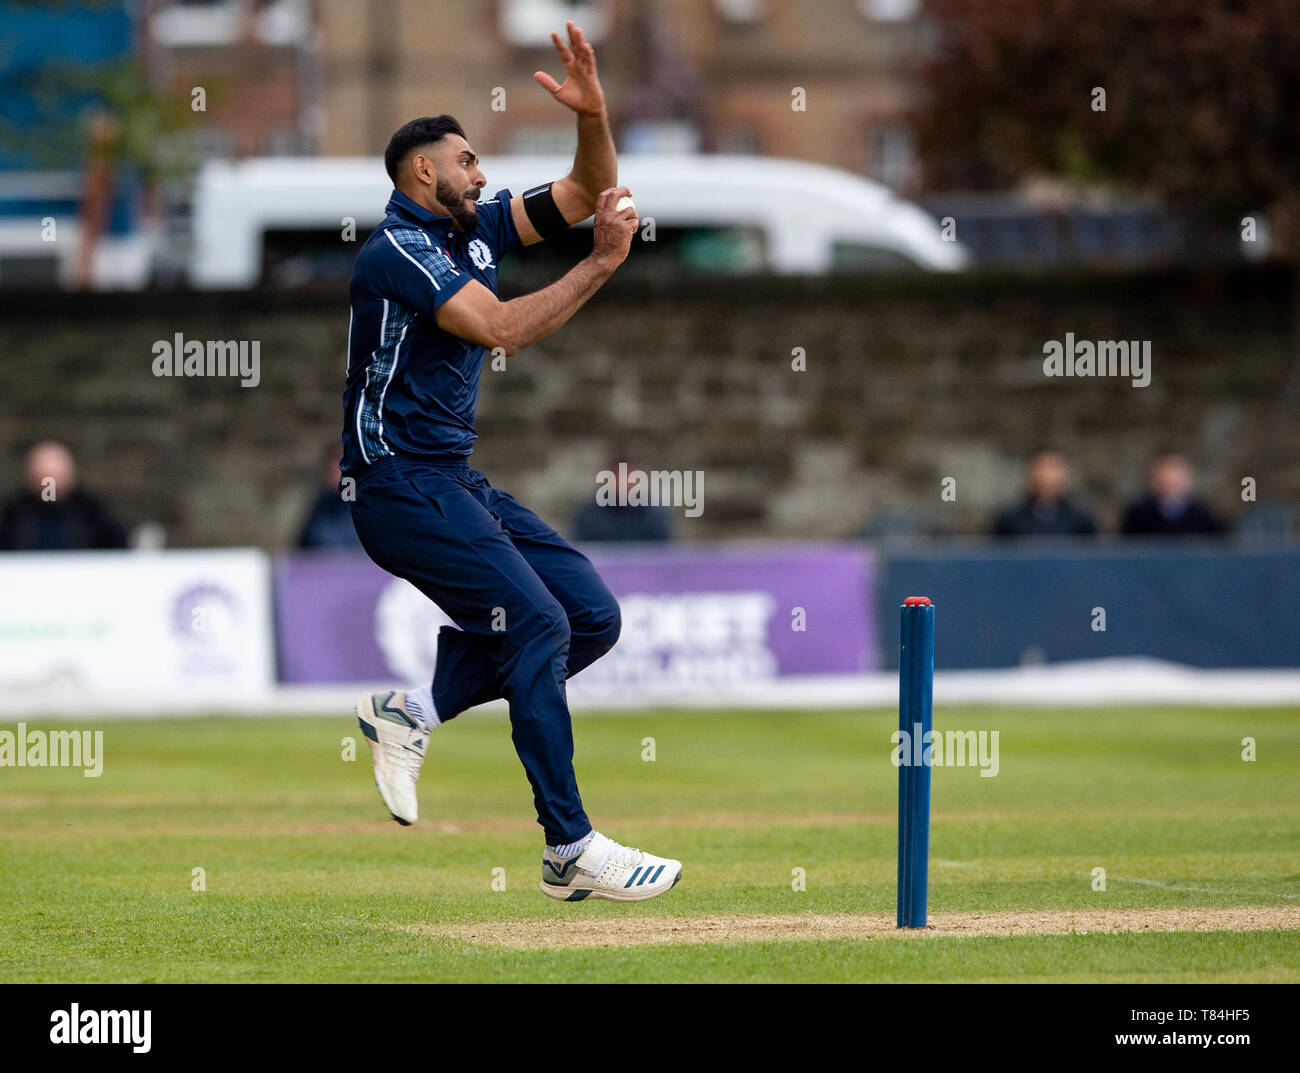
(402, 205)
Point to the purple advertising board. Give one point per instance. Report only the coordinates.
(705, 615)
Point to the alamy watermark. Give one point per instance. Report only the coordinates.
(658, 488)
(179, 356)
(53, 748)
(75, 1025)
(951, 748)
(1106, 357)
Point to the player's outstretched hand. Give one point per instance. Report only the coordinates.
(613, 229)
(581, 90)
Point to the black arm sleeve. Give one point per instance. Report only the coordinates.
(541, 210)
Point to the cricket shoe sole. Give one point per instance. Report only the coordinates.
(397, 745)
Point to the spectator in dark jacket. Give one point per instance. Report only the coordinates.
(595, 522)
(1046, 509)
(1170, 508)
(329, 522)
(52, 513)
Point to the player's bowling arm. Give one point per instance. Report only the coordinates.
(476, 315)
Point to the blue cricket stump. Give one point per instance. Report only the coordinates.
(915, 718)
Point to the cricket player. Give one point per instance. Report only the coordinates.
(531, 610)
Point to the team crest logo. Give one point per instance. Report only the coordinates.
(480, 254)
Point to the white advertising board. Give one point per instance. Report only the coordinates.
(136, 628)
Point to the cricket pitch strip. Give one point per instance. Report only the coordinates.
(592, 931)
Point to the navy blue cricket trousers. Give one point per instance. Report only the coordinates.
(532, 610)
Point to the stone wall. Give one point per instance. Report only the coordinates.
(909, 380)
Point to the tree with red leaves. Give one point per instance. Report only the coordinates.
(1202, 101)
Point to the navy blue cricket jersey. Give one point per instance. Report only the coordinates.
(412, 388)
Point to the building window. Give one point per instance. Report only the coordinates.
(740, 12)
(744, 140)
(529, 23)
(207, 23)
(889, 10)
(552, 138)
(672, 136)
(892, 155)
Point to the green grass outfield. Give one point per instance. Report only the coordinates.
(308, 880)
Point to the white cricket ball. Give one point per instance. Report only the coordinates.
(625, 203)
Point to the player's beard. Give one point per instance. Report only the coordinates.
(462, 209)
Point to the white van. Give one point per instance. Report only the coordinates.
(282, 219)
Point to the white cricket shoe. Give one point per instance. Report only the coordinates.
(397, 743)
(607, 870)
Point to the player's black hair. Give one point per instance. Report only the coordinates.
(423, 131)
